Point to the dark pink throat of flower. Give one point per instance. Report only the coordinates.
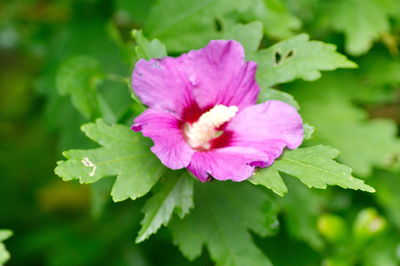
(203, 133)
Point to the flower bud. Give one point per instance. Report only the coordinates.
(368, 224)
(332, 227)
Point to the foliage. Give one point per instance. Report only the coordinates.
(221, 221)
(362, 22)
(67, 70)
(78, 77)
(313, 166)
(4, 254)
(175, 194)
(363, 143)
(297, 58)
(124, 154)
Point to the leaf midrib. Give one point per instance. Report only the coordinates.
(157, 209)
(221, 233)
(120, 159)
(314, 167)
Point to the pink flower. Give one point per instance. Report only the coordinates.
(203, 114)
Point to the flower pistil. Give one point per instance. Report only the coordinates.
(199, 133)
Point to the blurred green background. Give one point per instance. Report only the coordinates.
(65, 223)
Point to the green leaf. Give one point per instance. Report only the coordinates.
(308, 131)
(362, 143)
(277, 20)
(377, 87)
(124, 154)
(333, 228)
(297, 58)
(271, 179)
(382, 251)
(99, 196)
(169, 15)
(200, 26)
(136, 11)
(148, 49)
(5, 234)
(249, 35)
(387, 194)
(367, 224)
(362, 21)
(189, 24)
(4, 254)
(272, 94)
(314, 166)
(78, 77)
(175, 193)
(224, 213)
(126, 50)
(301, 208)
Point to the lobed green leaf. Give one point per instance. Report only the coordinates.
(124, 154)
(148, 49)
(277, 20)
(363, 143)
(272, 94)
(191, 24)
(77, 77)
(175, 194)
(224, 214)
(4, 254)
(314, 166)
(361, 21)
(296, 58)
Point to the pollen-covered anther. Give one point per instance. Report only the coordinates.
(203, 130)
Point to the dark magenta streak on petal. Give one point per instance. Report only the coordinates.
(191, 113)
(222, 141)
(136, 127)
(261, 164)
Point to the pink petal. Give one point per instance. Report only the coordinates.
(192, 83)
(220, 75)
(162, 84)
(165, 131)
(268, 127)
(234, 163)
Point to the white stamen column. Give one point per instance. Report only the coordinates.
(203, 130)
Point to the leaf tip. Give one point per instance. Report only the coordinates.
(140, 238)
(350, 64)
(369, 189)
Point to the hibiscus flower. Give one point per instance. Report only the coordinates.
(203, 114)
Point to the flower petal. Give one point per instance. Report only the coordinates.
(220, 75)
(165, 131)
(161, 84)
(268, 127)
(234, 163)
(194, 82)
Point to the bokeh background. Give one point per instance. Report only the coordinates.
(65, 223)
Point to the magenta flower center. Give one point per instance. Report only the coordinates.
(199, 133)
